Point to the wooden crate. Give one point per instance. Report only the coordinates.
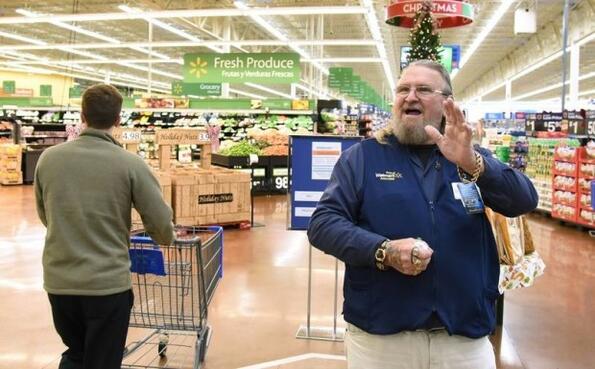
(212, 196)
(11, 178)
(10, 163)
(164, 179)
(10, 158)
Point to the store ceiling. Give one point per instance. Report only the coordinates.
(499, 43)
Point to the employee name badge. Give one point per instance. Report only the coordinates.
(470, 196)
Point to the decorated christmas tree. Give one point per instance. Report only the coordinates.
(423, 37)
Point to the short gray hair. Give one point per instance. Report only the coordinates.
(433, 65)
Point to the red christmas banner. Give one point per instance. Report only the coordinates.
(448, 13)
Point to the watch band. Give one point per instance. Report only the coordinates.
(479, 167)
(380, 255)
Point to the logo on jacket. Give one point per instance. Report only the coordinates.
(389, 176)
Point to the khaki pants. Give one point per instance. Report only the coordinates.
(417, 350)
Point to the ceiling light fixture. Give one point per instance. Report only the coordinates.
(186, 13)
(496, 16)
(374, 27)
(269, 90)
(278, 34)
(244, 93)
(165, 26)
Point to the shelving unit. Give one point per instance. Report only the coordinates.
(586, 174)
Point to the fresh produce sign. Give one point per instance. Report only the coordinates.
(242, 68)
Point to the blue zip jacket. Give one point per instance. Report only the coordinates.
(381, 191)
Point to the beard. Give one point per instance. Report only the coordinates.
(413, 134)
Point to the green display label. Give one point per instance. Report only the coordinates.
(339, 76)
(241, 68)
(446, 58)
(9, 87)
(45, 90)
(197, 89)
(75, 92)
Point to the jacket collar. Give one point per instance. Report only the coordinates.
(101, 134)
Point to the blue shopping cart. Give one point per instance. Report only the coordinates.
(173, 286)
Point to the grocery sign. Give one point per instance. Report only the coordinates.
(241, 68)
(198, 89)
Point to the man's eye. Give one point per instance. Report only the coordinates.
(424, 90)
(403, 90)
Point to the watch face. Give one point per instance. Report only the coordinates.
(380, 254)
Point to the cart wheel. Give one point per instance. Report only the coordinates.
(203, 343)
(162, 347)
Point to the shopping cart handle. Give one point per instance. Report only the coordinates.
(144, 240)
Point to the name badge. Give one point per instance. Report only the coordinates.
(470, 197)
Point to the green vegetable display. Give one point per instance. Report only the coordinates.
(242, 148)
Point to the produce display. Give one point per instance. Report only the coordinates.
(242, 148)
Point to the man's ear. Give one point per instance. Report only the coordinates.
(118, 121)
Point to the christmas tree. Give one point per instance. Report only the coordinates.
(423, 38)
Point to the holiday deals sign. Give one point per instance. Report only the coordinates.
(283, 68)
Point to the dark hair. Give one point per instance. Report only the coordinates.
(101, 106)
(430, 64)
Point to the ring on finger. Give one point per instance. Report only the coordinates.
(415, 260)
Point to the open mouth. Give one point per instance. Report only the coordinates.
(413, 111)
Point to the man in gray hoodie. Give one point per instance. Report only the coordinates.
(85, 190)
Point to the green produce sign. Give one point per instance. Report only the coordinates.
(45, 90)
(9, 87)
(240, 68)
(198, 89)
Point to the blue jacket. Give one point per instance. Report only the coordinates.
(379, 192)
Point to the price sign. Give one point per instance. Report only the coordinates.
(127, 135)
(281, 179)
(530, 126)
(182, 136)
(591, 128)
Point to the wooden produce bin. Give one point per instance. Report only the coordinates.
(11, 158)
(210, 196)
(164, 179)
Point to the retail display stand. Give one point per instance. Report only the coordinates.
(165, 138)
(565, 183)
(311, 161)
(586, 183)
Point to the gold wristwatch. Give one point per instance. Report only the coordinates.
(380, 255)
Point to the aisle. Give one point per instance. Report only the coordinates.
(262, 299)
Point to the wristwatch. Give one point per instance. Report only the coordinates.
(380, 255)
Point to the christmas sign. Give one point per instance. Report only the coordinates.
(448, 13)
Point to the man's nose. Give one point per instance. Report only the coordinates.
(411, 96)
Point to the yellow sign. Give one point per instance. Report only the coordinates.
(127, 135)
(182, 136)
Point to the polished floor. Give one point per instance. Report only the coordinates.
(261, 301)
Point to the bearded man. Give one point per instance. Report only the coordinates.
(405, 212)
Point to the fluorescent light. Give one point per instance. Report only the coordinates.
(498, 14)
(86, 32)
(589, 92)
(269, 90)
(552, 87)
(374, 27)
(168, 44)
(187, 13)
(95, 61)
(244, 93)
(21, 38)
(278, 34)
(348, 60)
